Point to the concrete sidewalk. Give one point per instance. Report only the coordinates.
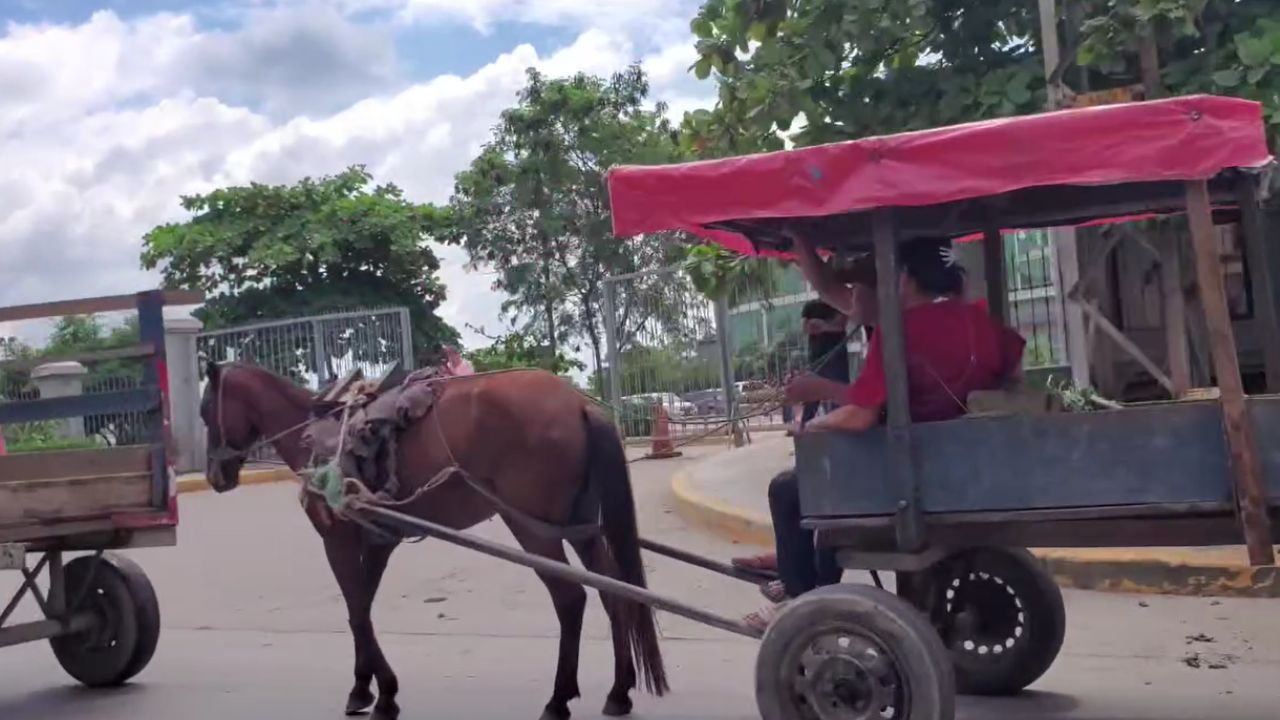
(727, 494)
(251, 475)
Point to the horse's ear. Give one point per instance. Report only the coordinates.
(212, 370)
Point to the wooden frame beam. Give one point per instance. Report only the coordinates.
(89, 306)
(910, 518)
(997, 280)
(1250, 490)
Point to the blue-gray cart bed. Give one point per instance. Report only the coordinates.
(949, 506)
(97, 609)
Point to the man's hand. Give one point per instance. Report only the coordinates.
(849, 418)
(809, 388)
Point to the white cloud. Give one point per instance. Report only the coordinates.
(104, 124)
(577, 14)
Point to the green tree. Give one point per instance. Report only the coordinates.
(1224, 47)
(336, 243)
(719, 273)
(518, 350)
(855, 68)
(534, 206)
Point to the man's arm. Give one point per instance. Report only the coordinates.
(862, 401)
(822, 277)
(847, 418)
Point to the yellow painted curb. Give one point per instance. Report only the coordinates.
(727, 521)
(198, 483)
(1151, 571)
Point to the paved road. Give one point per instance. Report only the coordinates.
(254, 628)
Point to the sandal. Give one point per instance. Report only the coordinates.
(761, 619)
(774, 592)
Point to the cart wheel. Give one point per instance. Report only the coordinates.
(1002, 616)
(124, 638)
(851, 652)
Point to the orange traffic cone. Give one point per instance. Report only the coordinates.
(662, 448)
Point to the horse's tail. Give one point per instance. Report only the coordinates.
(607, 470)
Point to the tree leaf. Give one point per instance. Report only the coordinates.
(702, 68)
(1227, 78)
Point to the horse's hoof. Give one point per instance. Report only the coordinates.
(358, 702)
(385, 711)
(617, 706)
(551, 713)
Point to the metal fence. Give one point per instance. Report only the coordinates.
(315, 350)
(663, 349)
(121, 428)
(669, 340)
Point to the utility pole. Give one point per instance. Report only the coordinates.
(1072, 332)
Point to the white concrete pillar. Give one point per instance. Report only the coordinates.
(62, 379)
(184, 392)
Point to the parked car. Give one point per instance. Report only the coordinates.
(676, 406)
(707, 402)
(754, 391)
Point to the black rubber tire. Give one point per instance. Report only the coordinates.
(1042, 620)
(128, 631)
(917, 655)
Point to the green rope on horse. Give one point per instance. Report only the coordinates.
(328, 481)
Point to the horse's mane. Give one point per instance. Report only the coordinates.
(290, 389)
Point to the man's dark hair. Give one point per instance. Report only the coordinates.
(818, 310)
(923, 260)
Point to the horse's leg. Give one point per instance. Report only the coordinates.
(570, 602)
(596, 558)
(358, 570)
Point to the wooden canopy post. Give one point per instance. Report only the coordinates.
(997, 281)
(909, 522)
(1259, 257)
(1250, 491)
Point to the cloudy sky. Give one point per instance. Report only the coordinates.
(110, 109)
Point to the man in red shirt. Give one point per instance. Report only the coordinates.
(953, 348)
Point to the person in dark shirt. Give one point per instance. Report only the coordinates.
(824, 327)
(953, 349)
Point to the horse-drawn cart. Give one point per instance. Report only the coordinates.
(948, 506)
(97, 609)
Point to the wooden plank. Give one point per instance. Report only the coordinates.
(74, 463)
(74, 498)
(1100, 512)
(1251, 497)
(1262, 279)
(1163, 453)
(997, 279)
(1101, 322)
(1165, 531)
(47, 535)
(89, 306)
(1175, 314)
(141, 350)
(143, 399)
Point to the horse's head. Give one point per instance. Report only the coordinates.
(231, 422)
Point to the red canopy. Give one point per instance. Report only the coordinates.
(1186, 138)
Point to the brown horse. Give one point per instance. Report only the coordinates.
(530, 437)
